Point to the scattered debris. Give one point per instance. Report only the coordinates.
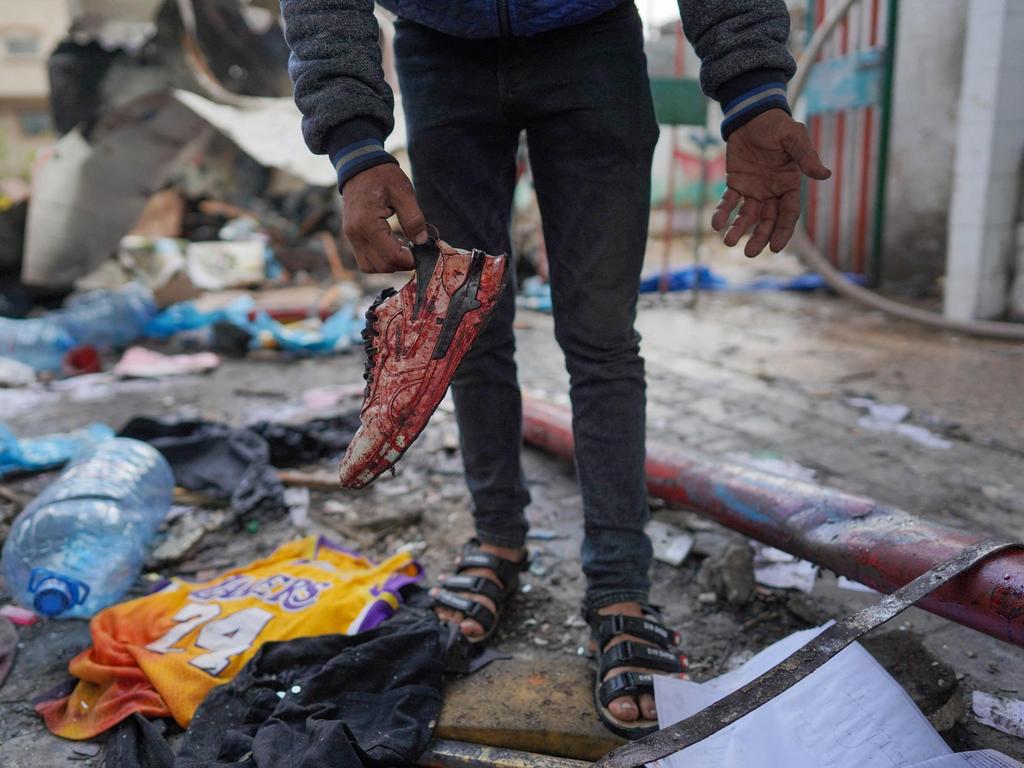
(770, 462)
(1003, 714)
(84, 750)
(297, 500)
(892, 418)
(8, 647)
(781, 570)
(217, 265)
(853, 586)
(185, 532)
(141, 363)
(23, 617)
(320, 480)
(671, 544)
(14, 373)
(728, 567)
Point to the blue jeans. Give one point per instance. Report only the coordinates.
(581, 94)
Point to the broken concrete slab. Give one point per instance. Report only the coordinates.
(533, 705)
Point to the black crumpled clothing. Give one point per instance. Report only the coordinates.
(237, 465)
(292, 444)
(349, 701)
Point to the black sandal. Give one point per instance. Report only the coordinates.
(657, 657)
(454, 587)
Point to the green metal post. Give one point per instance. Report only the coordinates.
(885, 124)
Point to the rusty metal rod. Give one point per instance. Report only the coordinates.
(461, 754)
(879, 546)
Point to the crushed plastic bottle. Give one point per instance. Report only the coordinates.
(106, 319)
(103, 319)
(78, 547)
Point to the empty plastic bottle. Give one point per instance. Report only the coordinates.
(81, 543)
(103, 319)
(107, 319)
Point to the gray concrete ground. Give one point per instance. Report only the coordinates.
(742, 374)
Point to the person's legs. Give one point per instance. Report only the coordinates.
(591, 130)
(591, 140)
(463, 153)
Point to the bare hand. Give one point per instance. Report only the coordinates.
(764, 163)
(368, 200)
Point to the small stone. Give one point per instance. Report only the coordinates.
(707, 598)
(527, 589)
(280, 694)
(296, 689)
(540, 641)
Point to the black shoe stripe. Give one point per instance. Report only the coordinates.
(462, 302)
(426, 257)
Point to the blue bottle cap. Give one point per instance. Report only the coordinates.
(54, 593)
(53, 600)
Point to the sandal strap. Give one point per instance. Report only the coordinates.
(646, 629)
(471, 609)
(506, 571)
(475, 585)
(630, 654)
(625, 684)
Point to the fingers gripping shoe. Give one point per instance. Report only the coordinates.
(415, 339)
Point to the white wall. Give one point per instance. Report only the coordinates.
(990, 149)
(926, 90)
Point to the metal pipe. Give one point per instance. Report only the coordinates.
(461, 754)
(879, 546)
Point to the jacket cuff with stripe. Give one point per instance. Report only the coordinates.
(745, 97)
(355, 146)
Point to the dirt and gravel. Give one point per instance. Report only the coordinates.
(764, 375)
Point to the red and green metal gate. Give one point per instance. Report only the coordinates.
(848, 101)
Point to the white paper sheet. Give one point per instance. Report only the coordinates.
(986, 758)
(848, 714)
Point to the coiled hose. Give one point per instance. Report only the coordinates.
(814, 260)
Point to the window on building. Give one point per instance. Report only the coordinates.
(34, 123)
(20, 43)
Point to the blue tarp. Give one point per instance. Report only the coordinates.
(336, 334)
(537, 295)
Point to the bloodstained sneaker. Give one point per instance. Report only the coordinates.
(415, 339)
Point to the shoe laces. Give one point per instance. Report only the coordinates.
(370, 333)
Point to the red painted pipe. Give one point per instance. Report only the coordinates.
(857, 537)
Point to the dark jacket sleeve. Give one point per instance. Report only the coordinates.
(745, 63)
(335, 63)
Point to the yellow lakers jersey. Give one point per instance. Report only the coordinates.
(161, 654)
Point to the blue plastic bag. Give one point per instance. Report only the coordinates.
(36, 453)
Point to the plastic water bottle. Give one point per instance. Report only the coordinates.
(80, 545)
(103, 319)
(108, 319)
